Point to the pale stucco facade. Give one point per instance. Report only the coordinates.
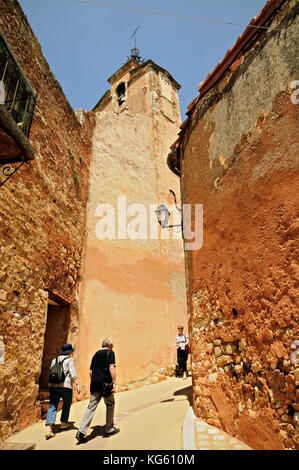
(132, 289)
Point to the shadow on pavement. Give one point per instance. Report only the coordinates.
(187, 391)
(97, 431)
(57, 429)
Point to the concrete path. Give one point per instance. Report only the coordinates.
(154, 417)
(150, 418)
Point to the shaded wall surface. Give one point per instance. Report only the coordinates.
(133, 289)
(240, 160)
(42, 222)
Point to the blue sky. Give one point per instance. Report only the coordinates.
(85, 44)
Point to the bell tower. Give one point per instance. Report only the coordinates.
(133, 284)
(142, 87)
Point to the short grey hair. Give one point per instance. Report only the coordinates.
(107, 342)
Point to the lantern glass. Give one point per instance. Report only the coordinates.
(162, 214)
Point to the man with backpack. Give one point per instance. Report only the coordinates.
(62, 374)
(103, 382)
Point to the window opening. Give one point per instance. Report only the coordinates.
(121, 93)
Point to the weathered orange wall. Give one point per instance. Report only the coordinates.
(42, 222)
(43, 225)
(240, 160)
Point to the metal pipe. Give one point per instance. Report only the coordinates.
(2, 79)
(14, 96)
(25, 112)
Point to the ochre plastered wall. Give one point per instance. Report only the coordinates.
(132, 290)
(240, 160)
(138, 286)
(42, 224)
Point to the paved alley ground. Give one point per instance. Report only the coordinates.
(149, 418)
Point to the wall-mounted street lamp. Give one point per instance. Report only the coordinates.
(193, 237)
(163, 214)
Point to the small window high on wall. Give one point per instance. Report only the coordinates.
(121, 93)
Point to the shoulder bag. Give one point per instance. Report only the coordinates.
(188, 346)
(107, 386)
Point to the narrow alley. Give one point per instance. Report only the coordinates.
(150, 417)
(154, 417)
(151, 216)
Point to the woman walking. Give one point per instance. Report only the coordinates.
(182, 342)
(62, 390)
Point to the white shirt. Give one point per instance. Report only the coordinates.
(69, 370)
(181, 340)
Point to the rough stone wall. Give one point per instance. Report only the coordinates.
(42, 214)
(133, 289)
(240, 159)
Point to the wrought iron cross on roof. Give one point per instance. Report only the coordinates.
(134, 35)
(135, 53)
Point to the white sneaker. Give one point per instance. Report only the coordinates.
(49, 433)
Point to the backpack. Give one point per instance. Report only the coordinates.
(56, 373)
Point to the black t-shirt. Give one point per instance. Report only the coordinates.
(100, 368)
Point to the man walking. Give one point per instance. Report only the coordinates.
(102, 369)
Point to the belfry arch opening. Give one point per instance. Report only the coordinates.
(121, 93)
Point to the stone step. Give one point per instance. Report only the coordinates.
(16, 446)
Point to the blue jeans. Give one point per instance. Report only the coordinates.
(55, 394)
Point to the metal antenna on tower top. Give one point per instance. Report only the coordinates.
(135, 54)
(134, 34)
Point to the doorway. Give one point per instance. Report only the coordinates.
(56, 334)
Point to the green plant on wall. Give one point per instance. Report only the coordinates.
(76, 177)
(81, 159)
(71, 153)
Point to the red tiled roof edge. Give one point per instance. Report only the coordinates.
(233, 52)
(229, 58)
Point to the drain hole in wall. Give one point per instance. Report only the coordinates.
(291, 410)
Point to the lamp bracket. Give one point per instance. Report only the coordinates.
(173, 193)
